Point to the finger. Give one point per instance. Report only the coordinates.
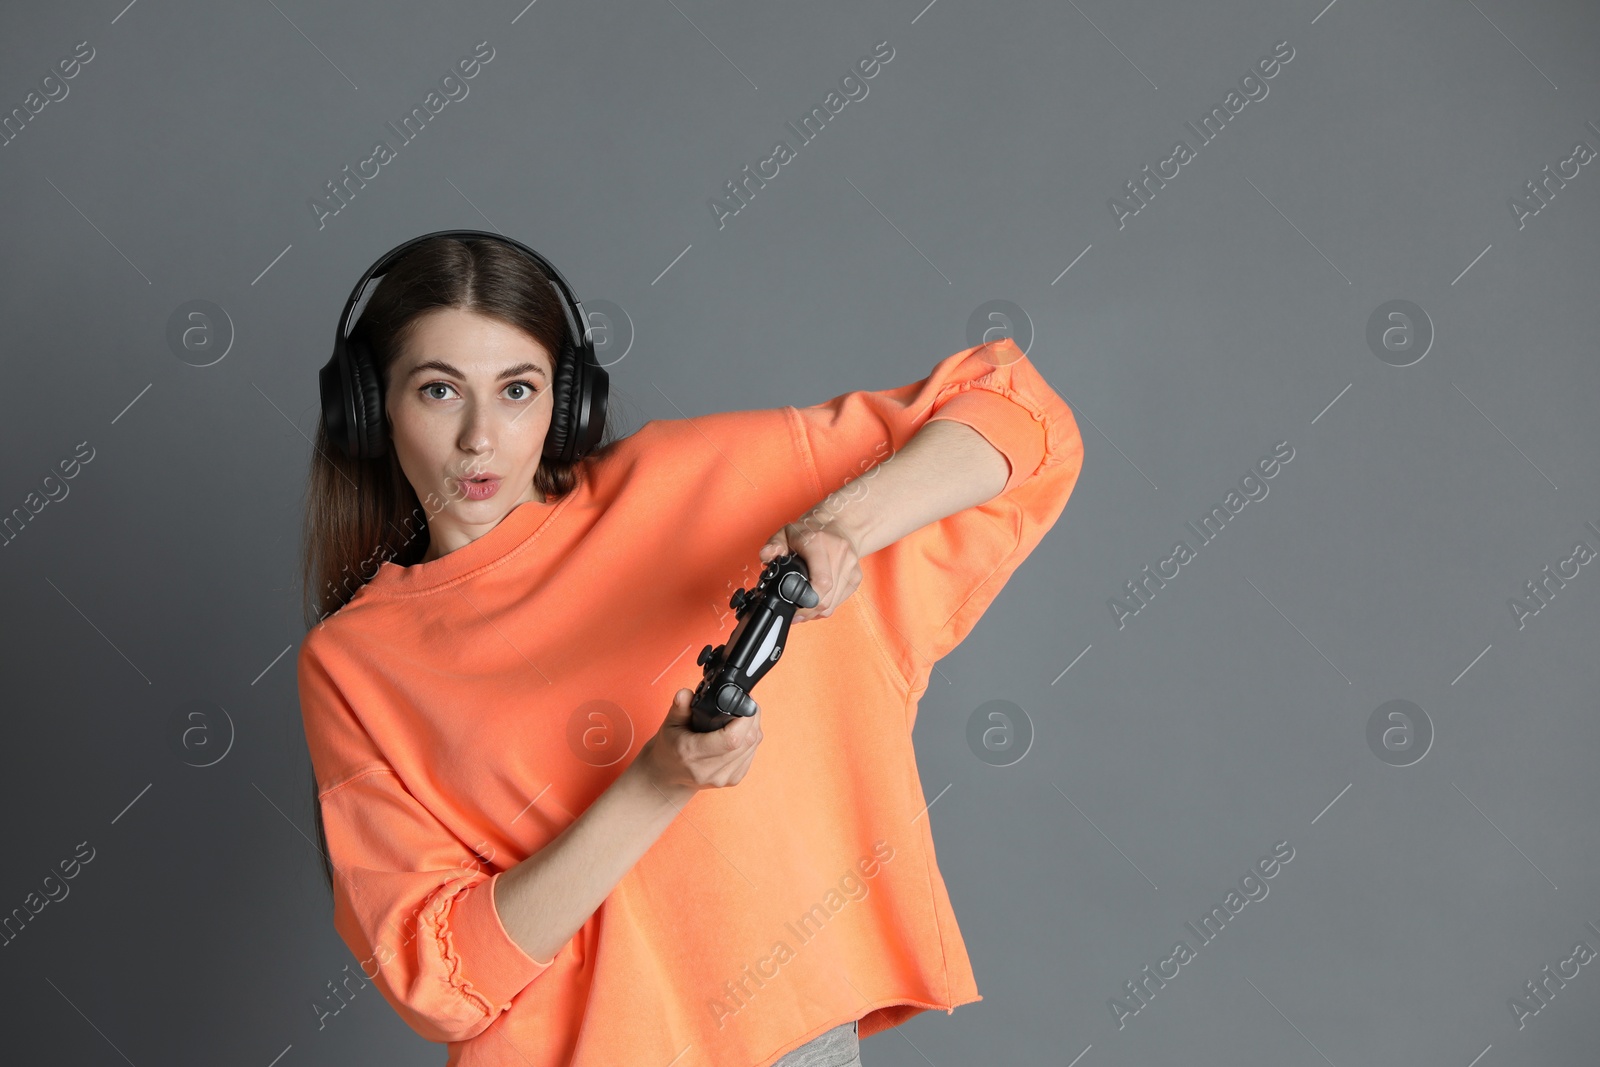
(843, 590)
(751, 740)
(732, 736)
(740, 769)
(678, 713)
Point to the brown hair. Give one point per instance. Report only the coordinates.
(363, 512)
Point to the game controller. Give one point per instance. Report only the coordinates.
(733, 668)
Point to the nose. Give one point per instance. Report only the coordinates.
(475, 433)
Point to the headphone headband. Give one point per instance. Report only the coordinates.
(569, 300)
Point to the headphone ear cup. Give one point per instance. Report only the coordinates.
(370, 432)
(559, 441)
(596, 390)
(330, 383)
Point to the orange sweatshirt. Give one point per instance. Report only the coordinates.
(461, 712)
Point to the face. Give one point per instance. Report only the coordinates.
(468, 402)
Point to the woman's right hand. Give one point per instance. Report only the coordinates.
(679, 758)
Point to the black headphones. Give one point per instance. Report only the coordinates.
(352, 396)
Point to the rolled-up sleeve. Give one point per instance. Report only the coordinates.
(927, 590)
(995, 415)
(411, 900)
(415, 904)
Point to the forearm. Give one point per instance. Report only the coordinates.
(544, 900)
(946, 467)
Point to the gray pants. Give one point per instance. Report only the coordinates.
(839, 1047)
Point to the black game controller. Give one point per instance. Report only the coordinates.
(732, 669)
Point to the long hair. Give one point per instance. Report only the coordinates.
(363, 512)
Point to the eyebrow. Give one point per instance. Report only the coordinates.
(509, 372)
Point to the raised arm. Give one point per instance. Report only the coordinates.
(935, 519)
(947, 467)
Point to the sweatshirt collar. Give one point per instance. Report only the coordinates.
(518, 528)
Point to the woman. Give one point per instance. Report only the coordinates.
(534, 863)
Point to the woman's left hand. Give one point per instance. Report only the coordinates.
(831, 555)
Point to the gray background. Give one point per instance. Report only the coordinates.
(1231, 313)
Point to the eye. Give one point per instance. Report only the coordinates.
(525, 390)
